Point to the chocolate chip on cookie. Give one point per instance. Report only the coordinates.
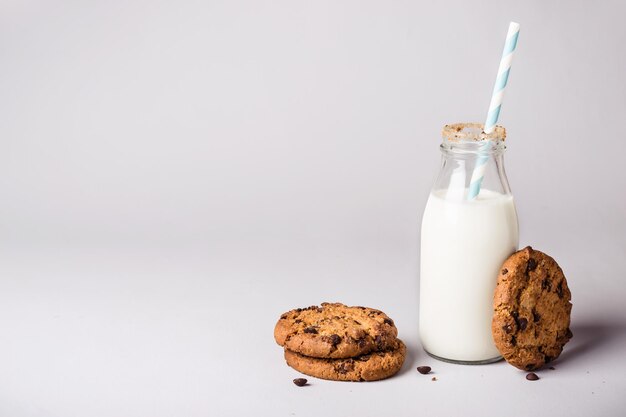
(532, 310)
(334, 330)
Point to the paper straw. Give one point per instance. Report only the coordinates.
(494, 108)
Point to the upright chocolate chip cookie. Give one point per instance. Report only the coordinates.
(371, 367)
(532, 310)
(334, 330)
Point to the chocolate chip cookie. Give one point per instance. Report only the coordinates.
(532, 310)
(370, 367)
(334, 330)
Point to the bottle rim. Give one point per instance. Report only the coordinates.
(471, 132)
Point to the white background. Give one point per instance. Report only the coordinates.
(175, 175)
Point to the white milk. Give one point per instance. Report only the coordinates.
(464, 244)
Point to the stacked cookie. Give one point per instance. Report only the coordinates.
(340, 343)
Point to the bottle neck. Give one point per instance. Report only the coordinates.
(461, 159)
(472, 149)
(469, 155)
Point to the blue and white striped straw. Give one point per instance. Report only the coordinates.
(494, 107)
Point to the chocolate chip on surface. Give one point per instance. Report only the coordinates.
(300, 382)
(507, 328)
(532, 264)
(423, 369)
(531, 376)
(311, 330)
(388, 321)
(504, 271)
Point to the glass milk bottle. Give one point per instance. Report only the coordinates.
(463, 245)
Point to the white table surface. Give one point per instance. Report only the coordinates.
(176, 174)
(188, 332)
